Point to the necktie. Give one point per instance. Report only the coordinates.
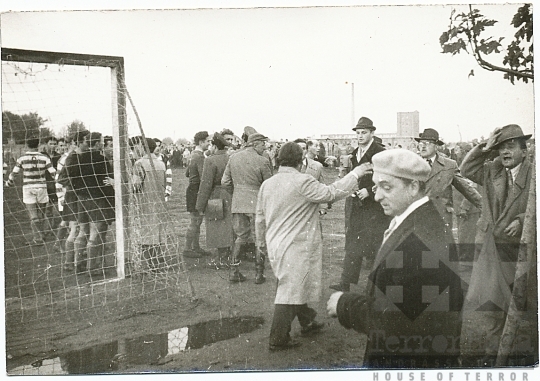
(510, 184)
(430, 162)
(390, 229)
(359, 154)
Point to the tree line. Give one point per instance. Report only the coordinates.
(18, 128)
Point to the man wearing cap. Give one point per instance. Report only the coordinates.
(243, 176)
(443, 175)
(410, 311)
(506, 181)
(365, 221)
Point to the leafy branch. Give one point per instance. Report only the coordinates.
(466, 31)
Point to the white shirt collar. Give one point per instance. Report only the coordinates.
(363, 150)
(514, 171)
(411, 208)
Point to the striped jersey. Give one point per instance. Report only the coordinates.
(168, 176)
(33, 166)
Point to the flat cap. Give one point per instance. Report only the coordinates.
(256, 137)
(401, 163)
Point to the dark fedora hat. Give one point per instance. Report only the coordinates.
(364, 122)
(509, 132)
(430, 134)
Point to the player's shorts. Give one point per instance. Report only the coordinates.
(35, 195)
(97, 210)
(70, 208)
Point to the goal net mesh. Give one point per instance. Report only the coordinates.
(140, 263)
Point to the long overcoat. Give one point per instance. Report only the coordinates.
(219, 233)
(243, 176)
(493, 177)
(365, 221)
(445, 174)
(287, 220)
(411, 309)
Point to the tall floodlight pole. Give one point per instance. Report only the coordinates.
(353, 120)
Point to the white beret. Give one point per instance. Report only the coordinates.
(401, 163)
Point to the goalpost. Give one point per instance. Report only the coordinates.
(49, 93)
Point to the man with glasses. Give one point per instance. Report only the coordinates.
(243, 176)
(443, 175)
(365, 221)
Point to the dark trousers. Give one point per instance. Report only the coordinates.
(352, 264)
(284, 315)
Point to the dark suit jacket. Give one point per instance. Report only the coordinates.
(495, 211)
(445, 174)
(413, 261)
(365, 221)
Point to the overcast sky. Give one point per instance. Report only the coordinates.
(285, 71)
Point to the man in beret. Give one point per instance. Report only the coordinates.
(243, 176)
(443, 175)
(287, 223)
(506, 181)
(411, 309)
(365, 221)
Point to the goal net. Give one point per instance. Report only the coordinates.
(55, 269)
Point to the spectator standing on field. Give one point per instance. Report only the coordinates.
(194, 173)
(288, 227)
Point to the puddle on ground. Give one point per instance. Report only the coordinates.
(148, 349)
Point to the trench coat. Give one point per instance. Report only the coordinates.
(150, 200)
(287, 221)
(219, 233)
(243, 176)
(416, 256)
(445, 174)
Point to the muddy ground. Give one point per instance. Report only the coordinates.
(124, 341)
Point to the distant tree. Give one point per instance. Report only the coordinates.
(166, 141)
(73, 128)
(181, 141)
(20, 127)
(466, 33)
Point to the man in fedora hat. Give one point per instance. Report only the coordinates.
(443, 175)
(243, 176)
(365, 221)
(506, 181)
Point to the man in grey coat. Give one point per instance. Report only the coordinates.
(443, 176)
(243, 176)
(287, 225)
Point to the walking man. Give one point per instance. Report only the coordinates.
(287, 224)
(246, 170)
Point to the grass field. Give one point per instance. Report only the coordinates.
(143, 307)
